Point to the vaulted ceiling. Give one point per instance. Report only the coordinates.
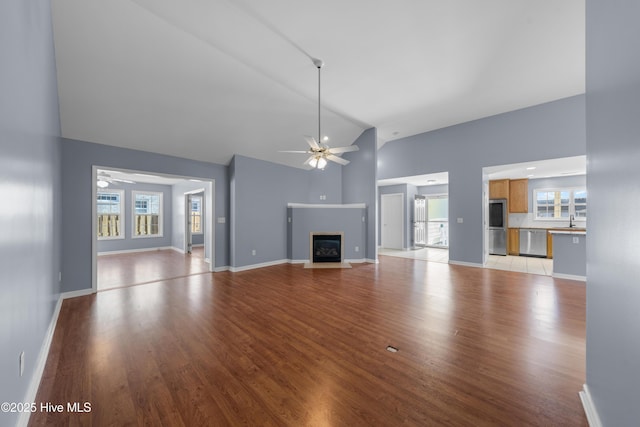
(206, 79)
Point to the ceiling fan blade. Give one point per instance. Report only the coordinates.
(312, 142)
(337, 159)
(347, 149)
(294, 151)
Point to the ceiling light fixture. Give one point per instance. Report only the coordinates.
(318, 162)
(530, 168)
(102, 184)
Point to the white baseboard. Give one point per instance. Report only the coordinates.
(356, 261)
(129, 251)
(253, 266)
(466, 264)
(219, 269)
(41, 361)
(570, 277)
(589, 408)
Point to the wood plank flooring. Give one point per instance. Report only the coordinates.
(288, 346)
(120, 270)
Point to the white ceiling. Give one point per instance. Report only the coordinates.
(550, 168)
(566, 166)
(142, 177)
(417, 180)
(208, 79)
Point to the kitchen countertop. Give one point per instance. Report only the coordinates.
(568, 229)
(572, 231)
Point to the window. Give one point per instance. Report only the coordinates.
(110, 211)
(196, 214)
(147, 214)
(560, 204)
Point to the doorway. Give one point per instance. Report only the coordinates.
(132, 254)
(392, 220)
(437, 210)
(194, 212)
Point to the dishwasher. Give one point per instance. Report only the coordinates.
(533, 242)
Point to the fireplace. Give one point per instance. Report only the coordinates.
(326, 247)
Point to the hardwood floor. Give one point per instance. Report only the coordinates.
(288, 346)
(120, 270)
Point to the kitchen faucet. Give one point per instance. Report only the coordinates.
(571, 219)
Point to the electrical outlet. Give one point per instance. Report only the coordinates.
(253, 252)
(460, 220)
(21, 363)
(576, 239)
(357, 248)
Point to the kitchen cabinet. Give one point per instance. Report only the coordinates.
(499, 189)
(513, 238)
(519, 195)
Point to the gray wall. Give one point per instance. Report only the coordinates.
(569, 254)
(77, 160)
(129, 243)
(426, 190)
(30, 191)
(359, 183)
(547, 131)
(260, 192)
(613, 152)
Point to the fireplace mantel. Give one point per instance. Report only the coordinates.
(327, 206)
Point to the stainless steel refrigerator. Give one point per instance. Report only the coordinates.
(498, 227)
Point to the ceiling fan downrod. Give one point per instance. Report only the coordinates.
(319, 64)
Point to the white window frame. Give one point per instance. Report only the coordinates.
(200, 211)
(122, 214)
(572, 205)
(133, 214)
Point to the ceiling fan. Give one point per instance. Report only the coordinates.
(319, 152)
(104, 179)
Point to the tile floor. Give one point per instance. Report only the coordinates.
(531, 265)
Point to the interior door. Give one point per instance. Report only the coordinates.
(420, 220)
(188, 235)
(391, 217)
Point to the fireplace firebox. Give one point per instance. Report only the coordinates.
(326, 247)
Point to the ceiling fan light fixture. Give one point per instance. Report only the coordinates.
(322, 163)
(318, 162)
(319, 152)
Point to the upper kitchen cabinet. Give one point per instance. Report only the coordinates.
(518, 196)
(499, 189)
